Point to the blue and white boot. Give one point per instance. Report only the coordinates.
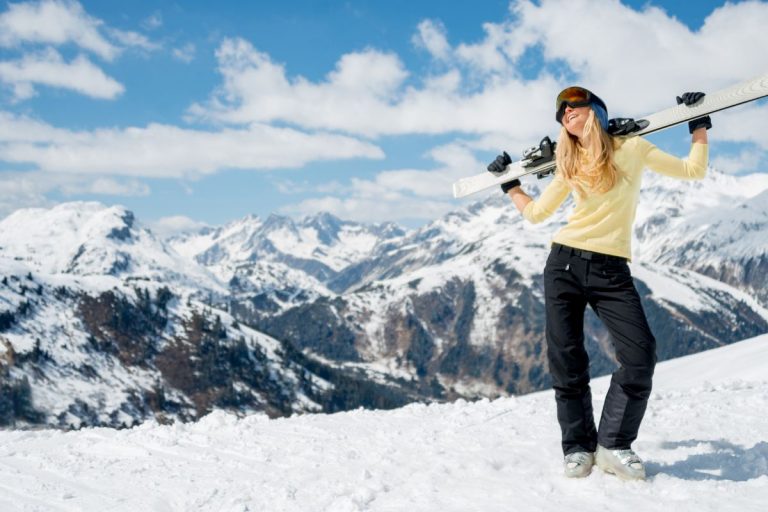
(578, 464)
(625, 464)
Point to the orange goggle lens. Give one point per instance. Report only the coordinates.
(573, 96)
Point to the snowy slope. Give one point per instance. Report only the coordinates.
(704, 440)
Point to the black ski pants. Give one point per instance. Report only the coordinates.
(572, 279)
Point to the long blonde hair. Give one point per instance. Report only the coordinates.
(587, 165)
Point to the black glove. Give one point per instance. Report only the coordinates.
(498, 166)
(688, 99)
(625, 125)
(506, 187)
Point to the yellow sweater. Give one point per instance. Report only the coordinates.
(603, 222)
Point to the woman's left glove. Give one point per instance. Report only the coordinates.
(688, 99)
(497, 168)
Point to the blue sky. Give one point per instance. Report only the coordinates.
(200, 112)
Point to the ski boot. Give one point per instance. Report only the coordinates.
(578, 464)
(625, 464)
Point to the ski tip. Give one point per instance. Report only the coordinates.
(461, 189)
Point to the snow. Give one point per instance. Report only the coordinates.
(703, 440)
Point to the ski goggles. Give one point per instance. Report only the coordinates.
(575, 97)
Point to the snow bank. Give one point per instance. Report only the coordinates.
(704, 440)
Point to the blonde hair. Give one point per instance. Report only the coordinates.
(587, 165)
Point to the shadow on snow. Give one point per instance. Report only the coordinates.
(724, 461)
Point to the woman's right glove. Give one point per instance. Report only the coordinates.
(688, 99)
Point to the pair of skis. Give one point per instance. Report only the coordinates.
(726, 98)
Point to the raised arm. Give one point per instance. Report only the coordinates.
(695, 166)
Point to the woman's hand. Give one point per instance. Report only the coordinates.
(695, 126)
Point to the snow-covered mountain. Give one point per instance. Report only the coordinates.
(281, 262)
(718, 227)
(101, 322)
(456, 309)
(703, 440)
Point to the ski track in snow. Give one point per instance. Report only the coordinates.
(704, 441)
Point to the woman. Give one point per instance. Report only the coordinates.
(588, 265)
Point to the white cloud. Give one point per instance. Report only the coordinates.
(175, 225)
(743, 124)
(106, 187)
(403, 194)
(14, 128)
(50, 69)
(169, 151)
(25, 189)
(28, 26)
(366, 95)
(746, 161)
(22, 190)
(638, 60)
(292, 187)
(54, 22)
(185, 53)
(133, 39)
(431, 35)
(364, 210)
(489, 55)
(153, 21)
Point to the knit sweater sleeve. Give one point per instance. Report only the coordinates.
(549, 201)
(694, 167)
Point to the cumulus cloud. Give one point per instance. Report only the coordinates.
(743, 162)
(491, 94)
(60, 22)
(22, 190)
(133, 39)
(175, 225)
(366, 95)
(50, 24)
(25, 189)
(496, 53)
(54, 22)
(104, 186)
(400, 194)
(744, 124)
(50, 69)
(431, 35)
(637, 59)
(168, 151)
(185, 53)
